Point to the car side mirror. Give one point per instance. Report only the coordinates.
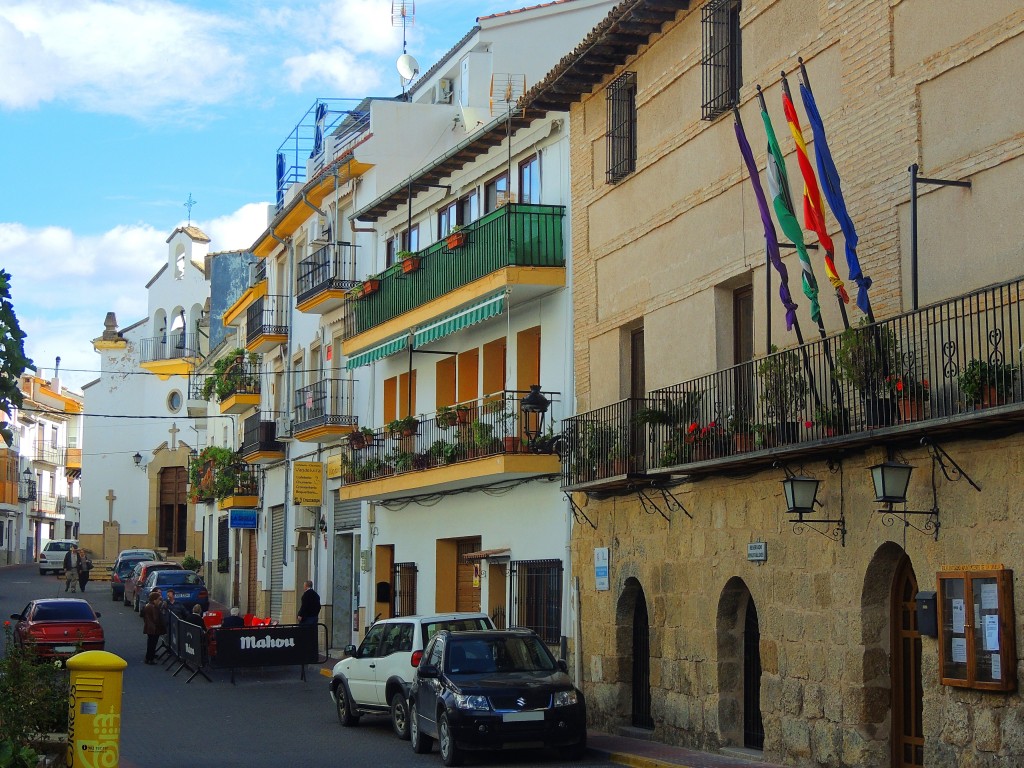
(17, 616)
(349, 650)
(562, 666)
(427, 670)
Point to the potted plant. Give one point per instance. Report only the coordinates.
(446, 417)
(212, 474)
(505, 418)
(743, 431)
(910, 394)
(987, 383)
(833, 421)
(370, 286)
(456, 237)
(410, 261)
(401, 461)
(783, 392)
(361, 438)
(405, 427)
(865, 357)
(464, 413)
(443, 452)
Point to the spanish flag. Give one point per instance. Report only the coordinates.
(814, 217)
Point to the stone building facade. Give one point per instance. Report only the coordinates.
(818, 655)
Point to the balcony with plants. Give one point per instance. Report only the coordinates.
(235, 381)
(222, 475)
(266, 323)
(949, 370)
(324, 278)
(478, 442)
(515, 244)
(259, 441)
(324, 411)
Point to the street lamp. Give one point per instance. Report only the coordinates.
(891, 479)
(534, 406)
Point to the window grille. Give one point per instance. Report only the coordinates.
(223, 561)
(536, 597)
(621, 136)
(404, 601)
(721, 57)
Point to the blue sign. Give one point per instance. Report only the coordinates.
(243, 518)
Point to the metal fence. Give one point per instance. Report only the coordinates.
(403, 601)
(328, 402)
(173, 346)
(535, 597)
(267, 316)
(329, 268)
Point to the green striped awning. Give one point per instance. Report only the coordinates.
(462, 319)
(376, 353)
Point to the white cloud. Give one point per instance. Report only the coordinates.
(335, 70)
(237, 231)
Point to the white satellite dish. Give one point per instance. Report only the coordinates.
(408, 67)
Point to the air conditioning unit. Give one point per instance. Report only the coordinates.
(283, 428)
(323, 231)
(443, 91)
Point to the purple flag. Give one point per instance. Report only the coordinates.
(770, 238)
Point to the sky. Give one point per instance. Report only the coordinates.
(114, 113)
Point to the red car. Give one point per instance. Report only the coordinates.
(59, 627)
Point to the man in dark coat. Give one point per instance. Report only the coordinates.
(234, 621)
(152, 624)
(309, 607)
(72, 562)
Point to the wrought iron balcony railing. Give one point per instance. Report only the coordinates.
(513, 235)
(172, 346)
(329, 268)
(488, 426)
(266, 316)
(941, 369)
(259, 436)
(45, 504)
(328, 402)
(49, 453)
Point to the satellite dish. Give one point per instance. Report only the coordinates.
(408, 67)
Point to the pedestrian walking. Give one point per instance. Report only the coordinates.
(309, 606)
(71, 563)
(84, 566)
(153, 624)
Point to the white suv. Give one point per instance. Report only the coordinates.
(374, 679)
(51, 556)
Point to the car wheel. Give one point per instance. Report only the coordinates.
(577, 751)
(450, 754)
(43, 571)
(400, 716)
(421, 743)
(341, 700)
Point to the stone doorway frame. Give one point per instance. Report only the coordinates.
(730, 629)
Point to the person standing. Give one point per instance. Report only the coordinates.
(309, 607)
(171, 606)
(71, 564)
(153, 624)
(84, 566)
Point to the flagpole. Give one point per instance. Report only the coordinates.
(834, 195)
(818, 226)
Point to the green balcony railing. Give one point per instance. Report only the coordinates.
(513, 235)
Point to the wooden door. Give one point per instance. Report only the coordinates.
(907, 707)
(172, 522)
(467, 593)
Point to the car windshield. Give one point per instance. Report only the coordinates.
(499, 654)
(176, 578)
(63, 611)
(431, 628)
(124, 567)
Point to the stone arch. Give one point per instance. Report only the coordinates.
(731, 627)
(634, 667)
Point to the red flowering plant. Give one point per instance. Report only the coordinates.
(906, 387)
(712, 434)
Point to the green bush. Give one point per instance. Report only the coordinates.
(33, 699)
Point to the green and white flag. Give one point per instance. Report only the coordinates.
(778, 188)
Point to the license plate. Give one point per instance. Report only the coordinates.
(64, 649)
(519, 717)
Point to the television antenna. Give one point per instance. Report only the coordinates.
(403, 14)
(506, 92)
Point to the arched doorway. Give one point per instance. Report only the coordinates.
(907, 704)
(632, 618)
(739, 668)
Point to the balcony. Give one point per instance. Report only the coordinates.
(949, 370)
(73, 462)
(266, 323)
(45, 505)
(238, 386)
(516, 245)
(174, 354)
(259, 441)
(324, 411)
(245, 481)
(197, 404)
(474, 443)
(324, 278)
(48, 453)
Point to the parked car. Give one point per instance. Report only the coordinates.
(122, 569)
(51, 556)
(494, 690)
(58, 627)
(141, 554)
(375, 678)
(188, 586)
(133, 586)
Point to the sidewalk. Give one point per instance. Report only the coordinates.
(641, 753)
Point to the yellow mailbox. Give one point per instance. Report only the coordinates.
(94, 717)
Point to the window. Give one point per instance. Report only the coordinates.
(721, 57)
(529, 180)
(409, 240)
(391, 252)
(621, 136)
(405, 592)
(447, 217)
(536, 597)
(496, 193)
(469, 208)
(223, 561)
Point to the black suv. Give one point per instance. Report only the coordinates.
(494, 690)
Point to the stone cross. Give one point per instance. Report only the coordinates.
(174, 435)
(110, 500)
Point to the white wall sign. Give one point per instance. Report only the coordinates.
(757, 551)
(601, 568)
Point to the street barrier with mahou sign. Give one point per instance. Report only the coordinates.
(269, 646)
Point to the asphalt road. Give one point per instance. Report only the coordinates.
(270, 717)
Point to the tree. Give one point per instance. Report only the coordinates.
(12, 355)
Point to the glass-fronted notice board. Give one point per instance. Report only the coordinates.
(977, 648)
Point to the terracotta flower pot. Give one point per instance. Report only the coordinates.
(456, 240)
(410, 264)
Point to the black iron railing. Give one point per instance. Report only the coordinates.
(49, 452)
(403, 601)
(487, 426)
(535, 597)
(328, 402)
(513, 235)
(329, 269)
(953, 363)
(267, 316)
(259, 436)
(174, 346)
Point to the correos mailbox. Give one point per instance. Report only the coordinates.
(94, 709)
